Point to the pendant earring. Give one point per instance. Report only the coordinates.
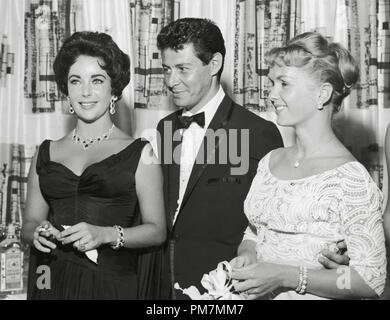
(71, 110)
(112, 105)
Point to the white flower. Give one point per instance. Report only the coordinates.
(218, 283)
(193, 293)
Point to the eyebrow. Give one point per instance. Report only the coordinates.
(281, 77)
(93, 76)
(184, 64)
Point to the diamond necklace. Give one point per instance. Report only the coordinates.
(87, 142)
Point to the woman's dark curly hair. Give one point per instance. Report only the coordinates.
(204, 34)
(94, 44)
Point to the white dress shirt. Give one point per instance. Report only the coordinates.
(191, 142)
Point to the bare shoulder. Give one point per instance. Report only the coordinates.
(56, 146)
(148, 155)
(122, 137)
(120, 140)
(120, 134)
(342, 155)
(280, 153)
(149, 168)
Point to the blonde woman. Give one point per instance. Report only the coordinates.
(306, 198)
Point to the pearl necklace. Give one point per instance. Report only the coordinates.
(87, 142)
(297, 162)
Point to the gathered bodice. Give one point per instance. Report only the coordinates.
(103, 195)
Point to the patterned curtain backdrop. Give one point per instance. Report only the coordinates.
(260, 25)
(14, 158)
(148, 17)
(45, 29)
(358, 123)
(383, 79)
(15, 164)
(7, 60)
(152, 100)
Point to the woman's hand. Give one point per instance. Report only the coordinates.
(44, 236)
(259, 279)
(85, 237)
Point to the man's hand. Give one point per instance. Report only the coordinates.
(332, 260)
(242, 261)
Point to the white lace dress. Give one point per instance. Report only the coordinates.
(291, 221)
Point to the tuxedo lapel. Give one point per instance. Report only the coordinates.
(173, 169)
(219, 120)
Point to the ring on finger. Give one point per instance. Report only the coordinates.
(82, 245)
(78, 244)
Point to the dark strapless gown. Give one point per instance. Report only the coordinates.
(103, 195)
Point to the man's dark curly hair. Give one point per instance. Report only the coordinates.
(204, 34)
(94, 44)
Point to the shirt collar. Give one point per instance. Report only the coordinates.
(210, 108)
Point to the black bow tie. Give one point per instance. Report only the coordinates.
(184, 122)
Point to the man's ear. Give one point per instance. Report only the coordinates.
(216, 63)
(325, 94)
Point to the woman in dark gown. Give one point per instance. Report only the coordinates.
(94, 196)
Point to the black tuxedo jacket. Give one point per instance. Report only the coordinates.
(211, 221)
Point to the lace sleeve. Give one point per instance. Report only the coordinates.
(363, 227)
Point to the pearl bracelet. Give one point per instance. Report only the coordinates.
(120, 241)
(302, 282)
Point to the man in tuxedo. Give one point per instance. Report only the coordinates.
(209, 150)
